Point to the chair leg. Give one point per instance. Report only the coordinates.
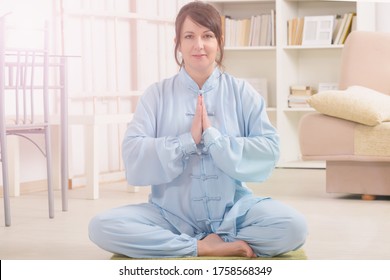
(7, 210)
(3, 137)
(50, 192)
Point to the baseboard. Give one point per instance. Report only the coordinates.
(81, 180)
(30, 187)
(75, 182)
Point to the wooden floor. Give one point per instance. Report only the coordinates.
(341, 226)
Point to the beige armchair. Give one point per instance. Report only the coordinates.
(351, 128)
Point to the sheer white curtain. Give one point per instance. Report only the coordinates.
(117, 49)
(123, 47)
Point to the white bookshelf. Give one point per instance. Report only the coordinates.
(284, 65)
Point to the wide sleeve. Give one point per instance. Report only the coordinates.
(148, 159)
(252, 156)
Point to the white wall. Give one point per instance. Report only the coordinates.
(382, 16)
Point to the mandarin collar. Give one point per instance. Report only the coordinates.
(210, 83)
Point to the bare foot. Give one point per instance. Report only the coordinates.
(213, 245)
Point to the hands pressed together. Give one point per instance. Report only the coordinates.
(201, 120)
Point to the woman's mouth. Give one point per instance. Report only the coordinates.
(198, 55)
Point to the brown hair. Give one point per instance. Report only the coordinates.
(205, 15)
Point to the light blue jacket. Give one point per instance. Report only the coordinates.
(196, 186)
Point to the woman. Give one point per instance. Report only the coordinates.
(196, 138)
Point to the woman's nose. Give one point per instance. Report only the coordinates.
(199, 43)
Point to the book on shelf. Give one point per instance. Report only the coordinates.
(291, 29)
(265, 24)
(338, 28)
(298, 96)
(299, 33)
(272, 28)
(301, 90)
(347, 25)
(258, 30)
(298, 101)
(354, 23)
(346, 29)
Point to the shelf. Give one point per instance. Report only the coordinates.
(351, 1)
(308, 109)
(319, 47)
(259, 48)
(241, 1)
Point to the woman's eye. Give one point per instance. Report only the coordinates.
(187, 36)
(209, 36)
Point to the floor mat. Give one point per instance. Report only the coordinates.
(293, 255)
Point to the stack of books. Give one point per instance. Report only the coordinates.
(298, 96)
(259, 30)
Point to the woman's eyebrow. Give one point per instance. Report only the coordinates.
(192, 32)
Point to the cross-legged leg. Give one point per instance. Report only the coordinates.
(270, 228)
(139, 231)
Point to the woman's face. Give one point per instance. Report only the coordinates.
(199, 48)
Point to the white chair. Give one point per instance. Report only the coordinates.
(24, 105)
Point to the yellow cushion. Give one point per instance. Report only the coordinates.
(357, 103)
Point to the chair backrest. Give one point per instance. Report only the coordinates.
(24, 83)
(366, 61)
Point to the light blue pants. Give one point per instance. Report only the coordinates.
(269, 227)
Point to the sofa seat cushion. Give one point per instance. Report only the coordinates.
(324, 137)
(372, 140)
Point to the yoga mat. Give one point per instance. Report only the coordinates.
(293, 255)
